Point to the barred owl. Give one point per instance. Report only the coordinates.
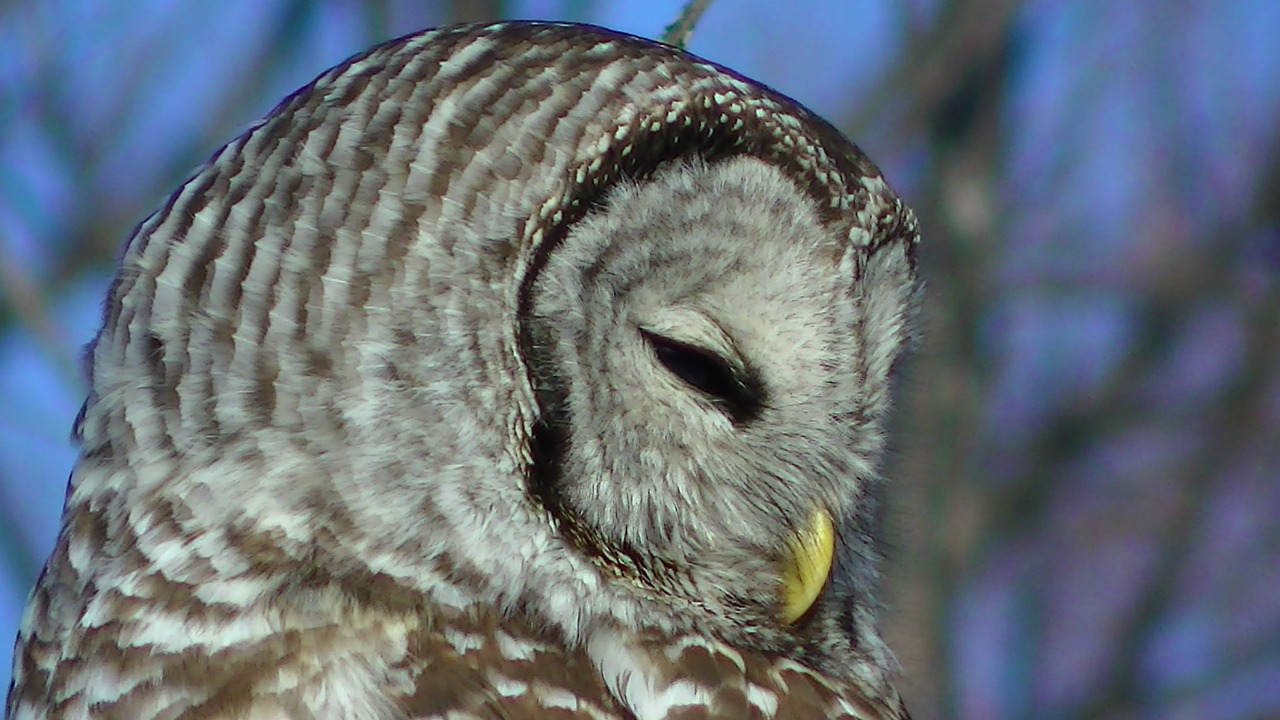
(509, 371)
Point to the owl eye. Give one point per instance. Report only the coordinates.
(708, 373)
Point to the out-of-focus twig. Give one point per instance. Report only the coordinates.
(463, 11)
(24, 300)
(678, 32)
(964, 35)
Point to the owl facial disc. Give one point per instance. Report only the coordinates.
(806, 566)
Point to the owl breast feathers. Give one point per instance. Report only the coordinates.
(525, 370)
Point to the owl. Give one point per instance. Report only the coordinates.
(523, 370)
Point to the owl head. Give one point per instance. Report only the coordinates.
(531, 316)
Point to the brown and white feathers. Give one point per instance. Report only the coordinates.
(503, 371)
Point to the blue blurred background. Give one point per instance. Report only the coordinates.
(1085, 495)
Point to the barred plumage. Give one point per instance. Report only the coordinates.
(495, 373)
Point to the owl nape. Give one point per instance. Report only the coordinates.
(503, 371)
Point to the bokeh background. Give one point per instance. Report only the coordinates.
(1084, 504)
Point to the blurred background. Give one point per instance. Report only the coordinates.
(1084, 496)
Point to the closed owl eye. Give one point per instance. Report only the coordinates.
(708, 373)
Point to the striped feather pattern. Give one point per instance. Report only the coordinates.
(335, 300)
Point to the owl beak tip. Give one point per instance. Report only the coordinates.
(807, 563)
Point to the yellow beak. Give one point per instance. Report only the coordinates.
(807, 565)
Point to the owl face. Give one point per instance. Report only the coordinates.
(700, 349)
